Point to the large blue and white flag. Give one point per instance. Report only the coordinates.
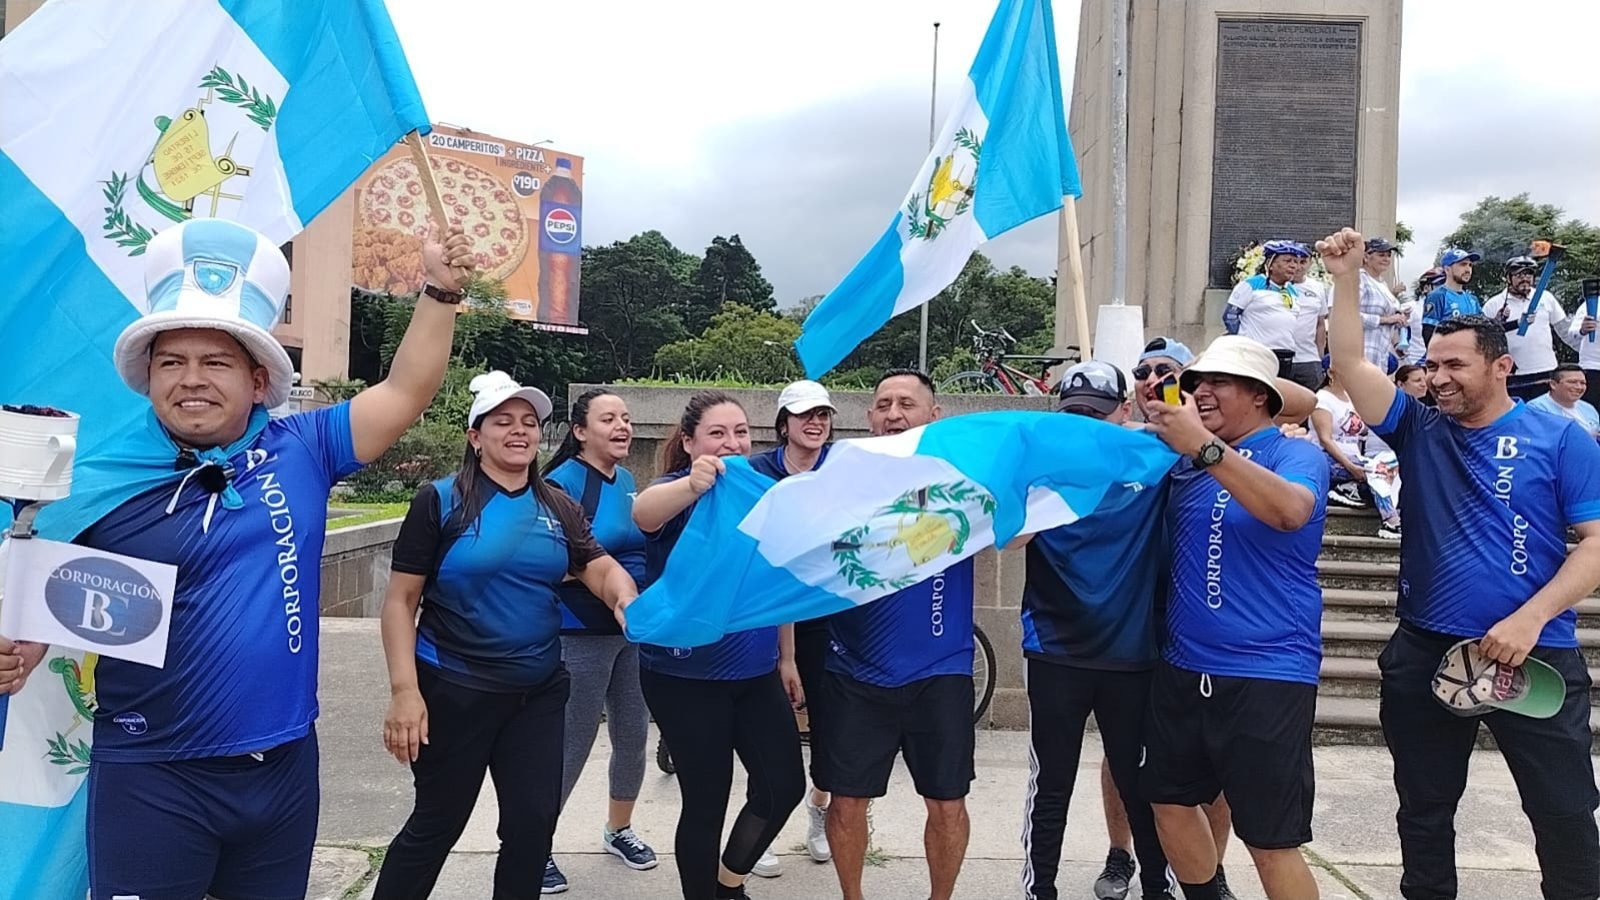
(118, 120)
(1002, 159)
(882, 514)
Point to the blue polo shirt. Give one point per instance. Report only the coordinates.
(490, 620)
(915, 633)
(1094, 587)
(770, 462)
(1487, 511)
(742, 654)
(1244, 598)
(241, 668)
(1444, 304)
(608, 505)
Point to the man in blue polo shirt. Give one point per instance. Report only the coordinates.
(204, 776)
(1091, 637)
(1233, 701)
(1494, 486)
(1451, 299)
(900, 683)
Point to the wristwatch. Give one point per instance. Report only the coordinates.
(443, 296)
(1210, 454)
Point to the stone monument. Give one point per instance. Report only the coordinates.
(1247, 120)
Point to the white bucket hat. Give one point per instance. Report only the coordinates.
(491, 389)
(803, 396)
(1240, 356)
(215, 274)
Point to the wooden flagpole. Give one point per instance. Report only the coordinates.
(1070, 258)
(430, 187)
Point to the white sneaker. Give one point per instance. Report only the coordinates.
(817, 832)
(768, 865)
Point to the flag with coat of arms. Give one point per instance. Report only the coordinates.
(119, 120)
(1002, 159)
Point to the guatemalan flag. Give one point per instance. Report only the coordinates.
(882, 514)
(117, 120)
(1002, 159)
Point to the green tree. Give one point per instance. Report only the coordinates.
(728, 274)
(634, 296)
(1502, 228)
(753, 345)
(1403, 237)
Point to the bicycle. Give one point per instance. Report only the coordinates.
(983, 668)
(995, 375)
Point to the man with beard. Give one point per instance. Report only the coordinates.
(1451, 299)
(1534, 353)
(1483, 557)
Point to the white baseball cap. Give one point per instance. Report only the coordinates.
(803, 396)
(494, 388)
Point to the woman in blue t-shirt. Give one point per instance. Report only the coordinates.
(603, 665)
(804, 426)
(477, 683)
(733, 696)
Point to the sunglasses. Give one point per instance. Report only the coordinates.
(1142, 372)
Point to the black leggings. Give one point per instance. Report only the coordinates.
(518, 739)
(704, 724)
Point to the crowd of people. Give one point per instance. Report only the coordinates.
(1185, 616)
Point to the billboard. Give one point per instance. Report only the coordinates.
(520, 205)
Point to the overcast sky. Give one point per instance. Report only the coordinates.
(799, 126)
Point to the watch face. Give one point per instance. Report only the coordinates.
(1211, 454)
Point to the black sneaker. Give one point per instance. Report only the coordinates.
(727, 893)
(1223, 892)
(1346, 495)
(1114, 879)
(626, 846)
(554, 881)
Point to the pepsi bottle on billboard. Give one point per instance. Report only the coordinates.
(560, 248)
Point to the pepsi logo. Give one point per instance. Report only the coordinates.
(561, 226)
(103, 601)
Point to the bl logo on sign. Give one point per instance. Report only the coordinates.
(104, 601)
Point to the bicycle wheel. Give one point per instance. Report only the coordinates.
(663, 758)
(983, 663)
(971, 382)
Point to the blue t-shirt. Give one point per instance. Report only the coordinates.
(1093, 587)
(742, 654)
(1444, 304)
(1581, 412)
(1244, 598)
(1487, 511)
(608, 505)
(770, 462)
(490, 620)
(915, 633)
(241, 668)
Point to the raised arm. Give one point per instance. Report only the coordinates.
(1371, 391)
(381, 413)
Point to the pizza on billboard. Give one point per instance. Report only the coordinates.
(493, 189)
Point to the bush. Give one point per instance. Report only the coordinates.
(428, 450)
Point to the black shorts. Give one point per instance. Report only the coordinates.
(1249, 738)
(928, 721)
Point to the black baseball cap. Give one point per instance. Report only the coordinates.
(1379, 245)
(1093, 388)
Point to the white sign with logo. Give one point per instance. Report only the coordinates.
(71, 596)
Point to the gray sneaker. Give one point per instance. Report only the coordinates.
(1115, 877)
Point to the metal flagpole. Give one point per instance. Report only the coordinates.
(933, 102)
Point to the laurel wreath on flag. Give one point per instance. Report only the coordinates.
(954, 495)
(923, 221)
(119, 226)
(74, 754)
(235, 90)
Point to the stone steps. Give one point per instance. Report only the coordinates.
(1354, 720)
(1358, 677)
(1378, 605)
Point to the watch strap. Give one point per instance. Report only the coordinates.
(443, 296)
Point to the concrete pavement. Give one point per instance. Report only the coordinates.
(366, 796)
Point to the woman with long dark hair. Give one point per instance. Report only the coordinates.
(477, 683)
(603, 665)
(804, 426)
(732, 697)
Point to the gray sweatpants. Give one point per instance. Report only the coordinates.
(605, 674)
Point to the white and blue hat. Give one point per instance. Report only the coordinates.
(212, 273)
